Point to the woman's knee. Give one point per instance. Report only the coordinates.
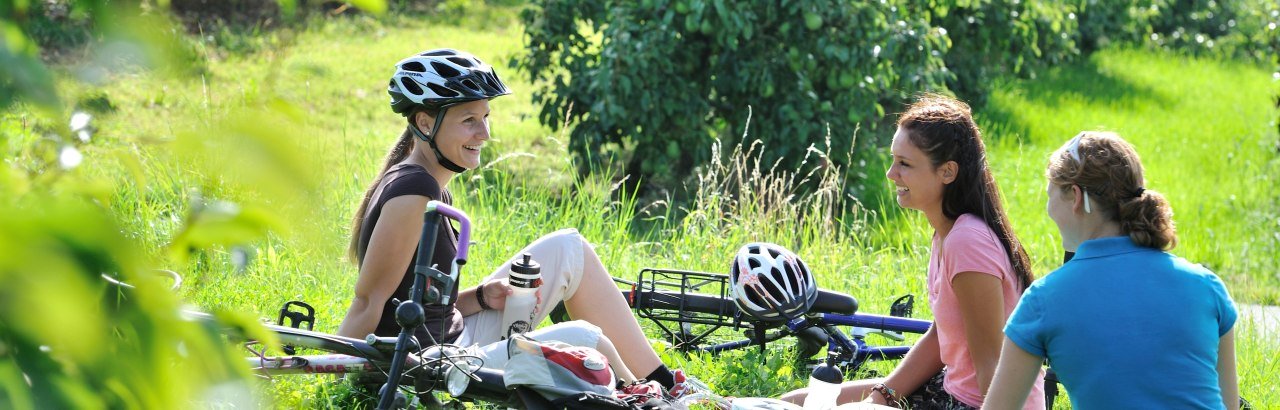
(565, 237)
(575, 332)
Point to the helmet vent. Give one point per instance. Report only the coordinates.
(465, 62)
(445, 52)
(442, 91)
(471, 84)
(414, 66)
(792, 278)
(410, 86)
(489, 79)
(444, 70)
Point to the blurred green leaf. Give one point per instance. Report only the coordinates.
(372, 6)
(223, 224)
(256, 156)
(24, 77)
(80, 342)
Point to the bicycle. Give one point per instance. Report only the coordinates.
(691, 308)
(405, 364)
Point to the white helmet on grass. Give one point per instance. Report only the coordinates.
(771, 283)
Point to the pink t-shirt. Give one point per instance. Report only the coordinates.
(971, 246)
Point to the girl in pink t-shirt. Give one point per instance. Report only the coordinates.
(977, 267)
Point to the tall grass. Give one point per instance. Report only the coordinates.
(1201, 126)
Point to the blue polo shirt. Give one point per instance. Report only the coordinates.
(1126, 326)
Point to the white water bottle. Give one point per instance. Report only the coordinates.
(525, 278)
(824, 386)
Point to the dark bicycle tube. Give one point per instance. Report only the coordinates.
(426, 250)
(410, 315)
(888, 352)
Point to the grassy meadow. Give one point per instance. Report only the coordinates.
(1206, 130)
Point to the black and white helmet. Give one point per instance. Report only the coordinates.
(771, 283)
(442, 77)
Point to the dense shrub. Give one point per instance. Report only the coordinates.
(1239, 28)
(666, 76)
(651, 83)
(994, 38)
(654, 81)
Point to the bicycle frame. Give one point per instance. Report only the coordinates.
(852, 352)
(698, 298)
(370, 356)
(675, 296)
(402, 353)
(427, 280)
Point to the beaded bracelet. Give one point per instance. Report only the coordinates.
(890, 396)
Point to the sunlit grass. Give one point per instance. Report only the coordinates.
(1207, 136)
(1205, 130)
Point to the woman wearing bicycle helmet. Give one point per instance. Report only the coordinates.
(1124, 323)
(444, 94)
(977, 268)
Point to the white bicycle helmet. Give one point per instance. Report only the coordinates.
(771, 283)
(442, 77)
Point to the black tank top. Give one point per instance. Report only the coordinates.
(444, 323)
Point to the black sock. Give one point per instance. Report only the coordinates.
(663, 376)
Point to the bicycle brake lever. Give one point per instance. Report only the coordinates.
(862, 332)
(895, 336)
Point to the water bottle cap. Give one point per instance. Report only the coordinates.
(525, 272)
(827, 373)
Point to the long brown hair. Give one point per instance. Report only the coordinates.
(943, 128)
(398, 153)
(1112, 174)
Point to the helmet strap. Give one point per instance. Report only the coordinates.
(431, 140)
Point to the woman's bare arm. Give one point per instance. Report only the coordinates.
(981, 300)
(391, 247)
(1227, 380)
(1014, 377)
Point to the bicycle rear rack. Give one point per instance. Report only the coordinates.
(686, 299)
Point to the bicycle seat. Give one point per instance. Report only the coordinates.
(834, 302)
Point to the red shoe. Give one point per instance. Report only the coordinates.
(680, 387)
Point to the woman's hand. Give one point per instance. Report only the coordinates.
(875, 398)
(496, 292)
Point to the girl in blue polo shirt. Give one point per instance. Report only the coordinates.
(1123, 323)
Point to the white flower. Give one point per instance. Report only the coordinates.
(69, 157)
(79, 120)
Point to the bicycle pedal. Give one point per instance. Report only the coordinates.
(903, 306)
(297, 319)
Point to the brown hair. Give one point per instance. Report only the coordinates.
(1112, 175)
(943, 128)
(398, 153)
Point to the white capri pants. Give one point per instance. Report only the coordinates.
(560, 256)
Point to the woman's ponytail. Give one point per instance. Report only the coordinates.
(1148, 219)
(1109, 170)
(398, 153)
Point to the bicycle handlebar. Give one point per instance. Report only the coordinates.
(464, 226)
(436, 285)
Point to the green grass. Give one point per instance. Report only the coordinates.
(1204, 129)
